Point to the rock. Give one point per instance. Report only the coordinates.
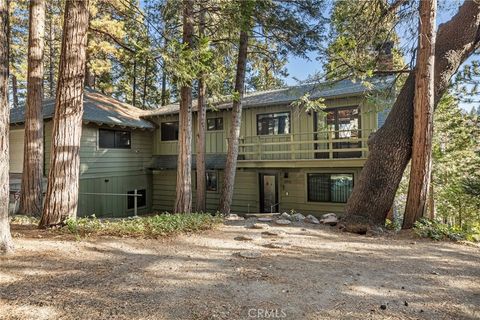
(311, 219)
(330, 220)
(285, 216)
(265, 219)
(233, 217)
(276, 245)
(258, 226)
(271, 233)
(406, 304)
(250, 254)
(283, 222)
(329, 215)
(297, 217)
(383, 306)
(243, 238)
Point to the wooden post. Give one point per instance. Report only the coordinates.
(135, 202)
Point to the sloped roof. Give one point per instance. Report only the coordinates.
(287, 95)
(97, 108)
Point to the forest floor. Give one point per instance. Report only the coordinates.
(316, 272)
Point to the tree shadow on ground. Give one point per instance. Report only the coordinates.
(319, 275)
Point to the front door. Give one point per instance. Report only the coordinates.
(268, 192)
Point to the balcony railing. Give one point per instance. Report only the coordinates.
(335, 144)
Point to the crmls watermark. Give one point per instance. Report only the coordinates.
(267, 313)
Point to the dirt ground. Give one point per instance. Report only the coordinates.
(317, 273)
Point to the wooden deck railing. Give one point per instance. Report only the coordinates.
(338, 144)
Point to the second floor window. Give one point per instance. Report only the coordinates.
(215, 124)
(169, 131)
(114, 139)
(273, 123)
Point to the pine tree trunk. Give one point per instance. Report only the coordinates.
(183, 202)
(61, 199)
(431, 201)
(15, 91)
(423, 100)
(234, 134)
(51, 69)
(134, 84)
(164, 88)
(6, 242)
(201, 204)
(145, 84)
(32, 175)
(390, 146)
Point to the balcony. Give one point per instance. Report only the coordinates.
(322, 145)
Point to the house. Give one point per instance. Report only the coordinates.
(289, 159)
(115, 154)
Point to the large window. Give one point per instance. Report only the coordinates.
(141, 199)
(169, 131)
(215, 124)
(273, 123)
(329, 187)
(114, 139)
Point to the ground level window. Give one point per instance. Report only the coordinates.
(212, 181)
(141, 199)
(329, 187)
(114, 139)
(169, 131)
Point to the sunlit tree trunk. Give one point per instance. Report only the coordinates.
(421, 163)
(226, 196)
(61, 199)
(6, 242)
(201, 130)
(183, 202)
(390, 147)
(32, 175)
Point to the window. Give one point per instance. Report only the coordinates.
(141, 199)
(114, 139)
(169, 131)
(212, 181)
(215, 124)
(273, 123)
(329, 187)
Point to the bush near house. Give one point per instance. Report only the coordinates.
(150, 226)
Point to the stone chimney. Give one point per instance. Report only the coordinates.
(385, 56)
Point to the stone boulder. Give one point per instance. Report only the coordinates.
(311, 219)
(330, 219)
(297, 217)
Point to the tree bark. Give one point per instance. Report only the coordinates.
(431, 201)
(6, 242)
(390, 146)
(32, 175)
(421, 163)
(15, 91)
(183, 202)
(234, 134)
(201, 204)
(134, 84)
(145, 84)
(51, 49)
(63, 178)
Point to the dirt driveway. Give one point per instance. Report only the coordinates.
(312, 272)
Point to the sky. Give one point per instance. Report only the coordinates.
(300, 69)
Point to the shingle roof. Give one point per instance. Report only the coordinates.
(287, 95)
(98, 108)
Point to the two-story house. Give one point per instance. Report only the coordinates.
(289, 159)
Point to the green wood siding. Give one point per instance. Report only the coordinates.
(292, 191)
(301, 123)
(110, 171)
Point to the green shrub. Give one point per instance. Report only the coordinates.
(437, 230)
(151, 226)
